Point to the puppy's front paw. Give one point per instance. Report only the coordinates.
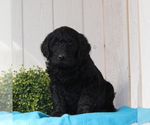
(56, 114)
(84, 109)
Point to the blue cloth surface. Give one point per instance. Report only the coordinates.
(123, 116)
(143, 115)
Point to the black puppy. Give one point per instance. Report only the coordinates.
(77, 85)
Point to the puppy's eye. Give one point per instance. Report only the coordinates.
(56, 43)
(69, 44)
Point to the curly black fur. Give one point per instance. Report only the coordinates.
(77, 85)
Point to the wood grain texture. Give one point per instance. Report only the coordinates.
(94, 31)
(17, 34)
(5, 35)
(68, 13)
(37, 23)
(116, 50)
(144, 7)
(134, 58)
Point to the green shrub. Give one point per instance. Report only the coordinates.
(6, 80)
(30, 90)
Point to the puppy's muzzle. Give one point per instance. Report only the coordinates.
(61, 57)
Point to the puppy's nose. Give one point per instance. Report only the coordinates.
(61, 57)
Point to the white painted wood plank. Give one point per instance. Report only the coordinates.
(37, 23)
(116, 50)
(94, 31)
(145, 51)
(17, 37)
(5, 35)
(134, 51)
(68, 13)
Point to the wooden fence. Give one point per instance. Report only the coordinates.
(118, 31)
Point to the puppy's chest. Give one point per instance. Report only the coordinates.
(72, 94)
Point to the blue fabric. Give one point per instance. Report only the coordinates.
(5, 118)
(124, 116)
(143, 115)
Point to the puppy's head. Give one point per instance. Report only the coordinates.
(64, 47)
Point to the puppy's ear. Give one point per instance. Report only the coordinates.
(45, 47)
(84, 47)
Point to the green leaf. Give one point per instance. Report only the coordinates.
(30, 89)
